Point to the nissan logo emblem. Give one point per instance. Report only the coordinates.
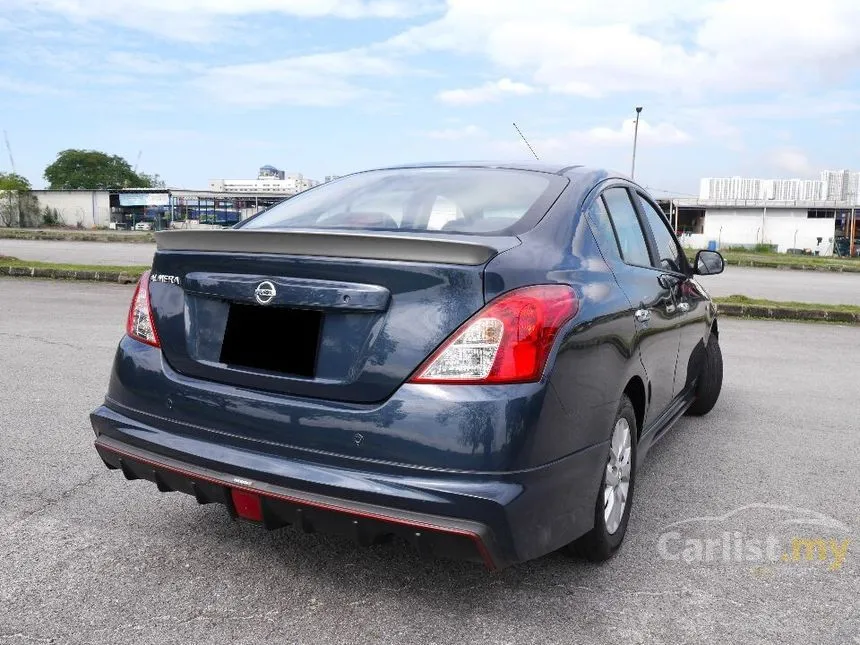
(265, 292)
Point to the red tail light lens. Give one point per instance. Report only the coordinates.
(140, 324)
(508, 341)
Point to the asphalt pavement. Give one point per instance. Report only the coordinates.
(101, 253)
(802, 286)
(88, 557)
(783, 284)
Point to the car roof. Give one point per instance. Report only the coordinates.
(582, 173)
(535, 166)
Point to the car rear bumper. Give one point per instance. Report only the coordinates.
(498, 519)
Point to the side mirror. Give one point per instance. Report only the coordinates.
(708, 263)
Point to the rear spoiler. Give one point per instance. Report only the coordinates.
(437, 248)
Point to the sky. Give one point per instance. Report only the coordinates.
(205, 89)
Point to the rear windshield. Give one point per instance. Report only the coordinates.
(456, 200)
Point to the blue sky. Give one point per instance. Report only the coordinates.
(216, 88)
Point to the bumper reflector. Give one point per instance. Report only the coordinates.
(247, 505)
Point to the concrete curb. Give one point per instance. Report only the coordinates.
(120, 277)
(787, 313)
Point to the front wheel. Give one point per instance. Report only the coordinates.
(710, 380)
(615, 497)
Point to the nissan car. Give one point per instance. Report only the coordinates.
(472, 357)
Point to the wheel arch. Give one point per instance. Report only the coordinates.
(635, 391)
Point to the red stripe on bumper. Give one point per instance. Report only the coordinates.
(190, 474)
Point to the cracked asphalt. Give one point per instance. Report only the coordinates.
(87, 557)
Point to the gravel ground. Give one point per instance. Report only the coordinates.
(87, 557)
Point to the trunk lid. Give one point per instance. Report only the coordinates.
(322, 314)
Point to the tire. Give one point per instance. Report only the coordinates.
(601, 542)
(710, 380)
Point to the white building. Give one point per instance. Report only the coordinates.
(841, 184)
(838, 185)
(795, 189)
(726, 188)
(811, 225)
(269, 180)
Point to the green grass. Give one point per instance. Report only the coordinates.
(76, 235)
(784, 260)
(806, 306)
(6, 261)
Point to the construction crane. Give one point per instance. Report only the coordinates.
(137, 163)
(9, 150)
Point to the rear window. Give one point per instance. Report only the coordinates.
(455, 200)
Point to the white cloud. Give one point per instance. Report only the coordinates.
(320, 80)
(456, 134)
(485, 93)
(204, 20)
(662, 134)
(790, 161)
(19, 86)
(581, 144)
(143, 64)
(688, 47)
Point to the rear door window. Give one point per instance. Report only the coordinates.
(601, 226)
(668, 251)
(628, 229)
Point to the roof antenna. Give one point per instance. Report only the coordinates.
(527, 141)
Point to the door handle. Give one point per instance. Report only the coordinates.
(642, 315)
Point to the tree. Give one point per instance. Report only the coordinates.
(94, 170)
(151, 181)
(13, 187)
(11, 181)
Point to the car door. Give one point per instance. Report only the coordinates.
(692, 304)
(654, 308)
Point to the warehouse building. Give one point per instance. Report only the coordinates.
(158, 207)
(811, 226)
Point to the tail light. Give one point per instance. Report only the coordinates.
(508, 341)
(140, 324)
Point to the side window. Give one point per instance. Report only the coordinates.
(601, 225)
(667, 247)
(631, 240)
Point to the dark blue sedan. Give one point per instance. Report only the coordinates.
(473, 357)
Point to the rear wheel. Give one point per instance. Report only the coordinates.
(615, 496)
(710, 380)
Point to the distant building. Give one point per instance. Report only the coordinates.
(723, 188)
(834, 185)
(270, 172)
(841, 184)
(269, 180)
(329, 178)
(795, 190)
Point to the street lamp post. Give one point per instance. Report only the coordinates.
(635, 139)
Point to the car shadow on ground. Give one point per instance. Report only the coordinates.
(285, 555)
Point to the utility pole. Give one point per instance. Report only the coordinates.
(635, 140)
